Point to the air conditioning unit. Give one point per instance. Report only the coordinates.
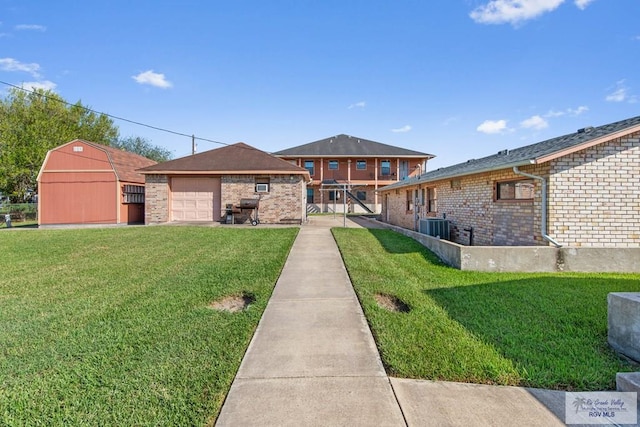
(435, 227)
(262, 188)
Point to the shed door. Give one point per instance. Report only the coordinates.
(195, 199)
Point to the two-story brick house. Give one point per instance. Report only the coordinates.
(356, 164)
(580, 189)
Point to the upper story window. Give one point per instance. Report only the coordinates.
(361, 164)
(309, 165)
(515, 190)
(385, 167)
(333, 164)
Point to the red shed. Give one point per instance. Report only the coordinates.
(82, 182)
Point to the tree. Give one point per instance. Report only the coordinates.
(142, 146)
(32, 123)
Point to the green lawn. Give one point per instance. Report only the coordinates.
(112, 326)
(536, 330)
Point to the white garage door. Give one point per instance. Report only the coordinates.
(195, 199)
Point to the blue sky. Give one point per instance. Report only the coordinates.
(459, 79)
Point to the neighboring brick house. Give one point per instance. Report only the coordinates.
(361, 165)
(199, 187)
(592, 197)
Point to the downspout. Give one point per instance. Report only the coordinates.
(543, 225)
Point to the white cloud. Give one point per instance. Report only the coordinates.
(30, 27)
(516, 11)
(569, 111)
(535, 122)
(582, 4)
(449, 120)
(403, 129)
(492, 126)
(512, 11)
(360, 104)
(620, 94)
(45, 84)
(10, 64)
(153, 79)
(577, 111)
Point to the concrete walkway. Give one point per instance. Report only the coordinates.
(313, 361)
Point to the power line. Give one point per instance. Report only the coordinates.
(111, 116)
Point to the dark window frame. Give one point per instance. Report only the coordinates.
(503, 192)
(382, 168)
(312, 168)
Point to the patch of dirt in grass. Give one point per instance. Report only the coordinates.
(391, 303)
(232, 303)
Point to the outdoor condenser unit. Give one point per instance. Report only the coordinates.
(435, 227)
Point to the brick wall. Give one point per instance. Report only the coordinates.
(593, 201)
(594, 195)
(469, 202)
(156, 207)
(284, 201)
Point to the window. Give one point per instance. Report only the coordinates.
(361, 195)
(385, 168)
(262, 185)
(133, 194)
(515, 190)
(334, 195)
(333, 164)
(309, 165)
(432, 205)
(361, 165)
(409, 200)
(309, 195)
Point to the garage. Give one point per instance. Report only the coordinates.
(195, 199)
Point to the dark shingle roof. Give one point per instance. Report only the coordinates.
(530, 154)
(348, 146)
(236, 158)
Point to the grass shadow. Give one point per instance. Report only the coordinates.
(553, 328)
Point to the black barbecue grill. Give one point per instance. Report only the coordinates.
(246, 207)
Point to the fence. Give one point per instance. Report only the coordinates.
(19, 212)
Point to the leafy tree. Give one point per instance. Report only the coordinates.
(143, 147)
(32, 123)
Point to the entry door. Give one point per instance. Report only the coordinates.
(195, 199)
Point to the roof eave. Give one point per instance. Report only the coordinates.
(420, 180)
(587, 144)
(222, 172)
(361, 156)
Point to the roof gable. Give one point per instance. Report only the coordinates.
(348, 146)
(125, 164)
(540, 152)
(235, 158)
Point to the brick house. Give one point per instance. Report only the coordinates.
(82, 182)
(359, 165)
(581, 189)
(199, 187)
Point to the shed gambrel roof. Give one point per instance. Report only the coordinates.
(540, 152)
(349, 146)
(238, 158)
(123, 163)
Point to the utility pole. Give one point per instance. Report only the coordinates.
(193, 144)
